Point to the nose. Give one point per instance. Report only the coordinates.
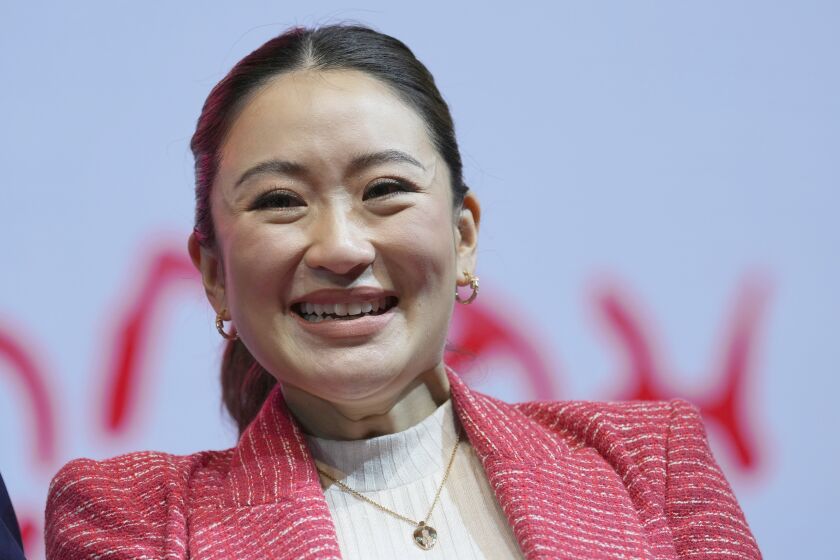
(339, 244)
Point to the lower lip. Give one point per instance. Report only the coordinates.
(348, 328)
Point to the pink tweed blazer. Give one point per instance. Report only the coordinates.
(575, 480)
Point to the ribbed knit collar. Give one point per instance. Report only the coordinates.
(391, 460)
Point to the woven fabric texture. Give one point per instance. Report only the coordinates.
(577, 480)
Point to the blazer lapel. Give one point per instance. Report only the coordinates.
(272, 505)
(545, 484)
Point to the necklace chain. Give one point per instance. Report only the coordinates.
(392, 512)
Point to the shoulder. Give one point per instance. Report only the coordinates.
(136, 502)
(593, 423)
(661, 453)
(139, 473)
(634, 438)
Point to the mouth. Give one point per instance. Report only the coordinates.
(349, 311)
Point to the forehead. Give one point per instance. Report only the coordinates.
(323, 115)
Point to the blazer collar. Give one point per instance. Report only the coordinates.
(272, 458)
(539, 479)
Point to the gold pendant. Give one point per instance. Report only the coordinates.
(425, 536)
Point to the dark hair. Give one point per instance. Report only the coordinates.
(245, 383)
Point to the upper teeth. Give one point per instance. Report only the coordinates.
(341, 309)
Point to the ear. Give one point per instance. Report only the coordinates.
(466, 236)
(209, 266)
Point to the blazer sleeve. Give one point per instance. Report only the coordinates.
(704, 516)
(115, 509)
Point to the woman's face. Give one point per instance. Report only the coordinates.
(339, 252)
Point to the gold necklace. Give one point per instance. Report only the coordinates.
(425, 536)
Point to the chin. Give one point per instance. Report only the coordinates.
(353, 379)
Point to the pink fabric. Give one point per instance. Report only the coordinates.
(575, 480)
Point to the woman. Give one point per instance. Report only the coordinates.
(333, 229)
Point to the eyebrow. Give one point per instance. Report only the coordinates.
(359, 163)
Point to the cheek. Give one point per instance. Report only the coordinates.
(426, 275)
(423, 249)
(260, 266)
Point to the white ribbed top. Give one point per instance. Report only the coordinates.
(402, 471)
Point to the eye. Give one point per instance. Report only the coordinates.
(386, 189)
(278, 199)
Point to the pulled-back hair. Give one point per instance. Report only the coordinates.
(245, 383)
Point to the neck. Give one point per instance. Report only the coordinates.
(386, 413)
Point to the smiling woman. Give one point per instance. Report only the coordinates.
(333, 230)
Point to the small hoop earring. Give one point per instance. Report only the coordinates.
(220, 326)
(473, 280)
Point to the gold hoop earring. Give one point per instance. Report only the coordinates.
(473, 280)
(220, 326)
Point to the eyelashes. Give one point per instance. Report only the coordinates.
(387, 188)
(282, 199)
(286, 200)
